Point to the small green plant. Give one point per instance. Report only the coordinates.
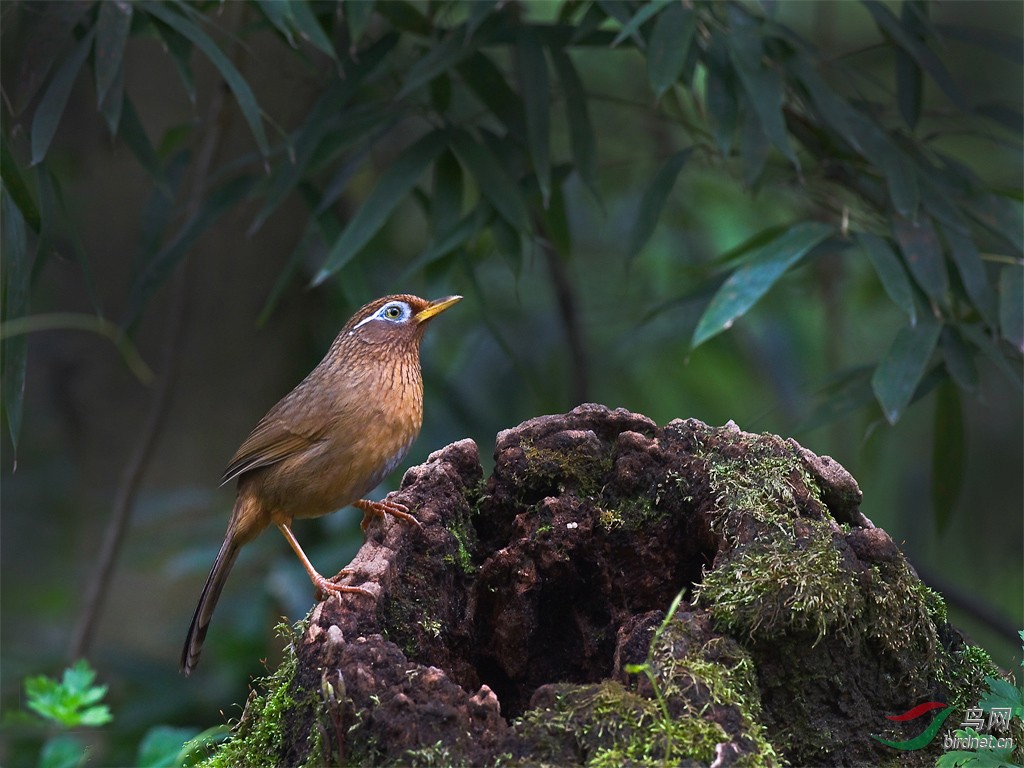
(647, 670)
(1001, 694)
(76, 701)
(73, 701)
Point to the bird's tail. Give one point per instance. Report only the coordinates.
(208, 601)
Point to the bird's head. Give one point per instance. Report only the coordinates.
(394, 320)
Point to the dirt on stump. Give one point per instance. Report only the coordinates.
(618, 593)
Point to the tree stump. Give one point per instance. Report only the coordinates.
(617, 593)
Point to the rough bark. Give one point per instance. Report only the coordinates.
(531, 620)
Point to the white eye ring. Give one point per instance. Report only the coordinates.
(395, 311)
(392, 312)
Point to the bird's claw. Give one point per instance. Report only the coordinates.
(372, 509)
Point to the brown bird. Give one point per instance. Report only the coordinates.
(328, 442)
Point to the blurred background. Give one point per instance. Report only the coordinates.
(198, 244)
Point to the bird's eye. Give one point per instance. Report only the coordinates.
(392, 312)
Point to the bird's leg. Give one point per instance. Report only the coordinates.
(322, 584)
(373, 509)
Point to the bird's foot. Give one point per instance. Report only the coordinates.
(326, 586)
(372, 509)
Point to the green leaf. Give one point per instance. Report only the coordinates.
(394, 185)
(903, 366)
(72, 701)
(928, 61)
(972, 273)
(754, 148)
(244, 96)
(889, 270)
(533, 79)
(508, 243)
(850, 391)
(577, 114)
(309, 29)
(948, 454)
(723, 108)
(923, 255)
(51, 106)
(754, 279)
(181, 51)
(162, 746)
(556, 224)
(153, 275)
(1001, 694)
(646, 12)
(1000, 215)
(63, 751)
(1011, 305)
(909, 88)
(444, 242)
(17, 273)
(441, 57)
(669, 46)
(994, 352)
(280, 15)
(448, 194)
(479, 10)
(113, 24)
(998, 41)
(763, 85)
(493, 180)
(653, 202)
(958, 359)
(131, 131)
(489, 85)
(15, 185)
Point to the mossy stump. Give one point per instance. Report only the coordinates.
(531, 621)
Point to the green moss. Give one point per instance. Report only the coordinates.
(574, 467)
(784, 584)
(435, 755)
(631, 514)
(613, 726)
(465, 538)
(264, 733)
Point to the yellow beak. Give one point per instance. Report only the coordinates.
(436, 307)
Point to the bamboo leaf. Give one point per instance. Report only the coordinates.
(1011, 305)
(533, 78)
(723, 108)
(244, 96)
(581, 130)
(994, 352)
(632, 27)
(16, 276)
(903, 366)
(479, 10)
(448, 193)
(51, 106)
(754, 279)
(279, 13)
(181, 51)
(489, 85)
(14, 183)
(763, 85)
(669, 46)
(949, 454)
(928, 61)
(848, 393)
(394, 185)
(890, 271)
(76, 321)
(456, 236)
(909, 87)
(972, 273)
(958, 359)
(1000, 42)
(132, 133)
(923, 255)
(653, 202)
(309, 29)
(113, 24)
(442, 57)
(493, 180)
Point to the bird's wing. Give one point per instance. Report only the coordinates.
(274, 439)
